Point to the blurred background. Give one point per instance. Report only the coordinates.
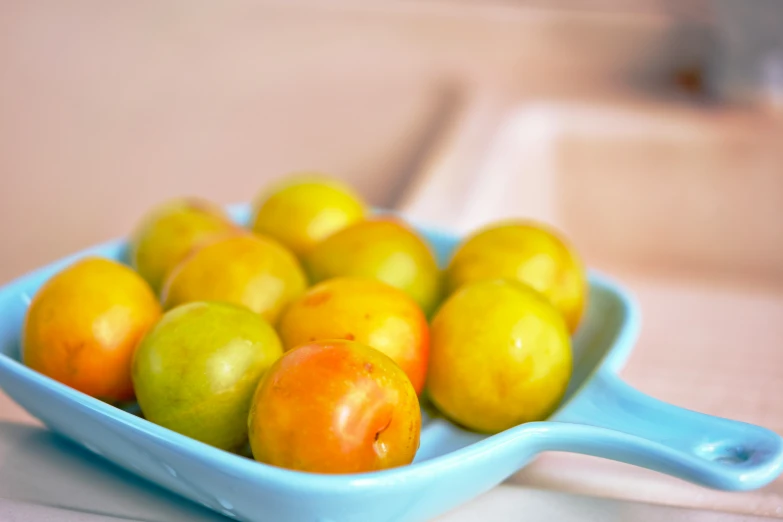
(650, 131)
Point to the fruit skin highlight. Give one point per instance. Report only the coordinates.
(500, 355)
(335, 407)
(528, 252)
(172, 230)
(252, 271)
(382, 248)
(195, 372)
(366, 311)
(83, 326)
(303, 211)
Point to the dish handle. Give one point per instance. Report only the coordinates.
(610, 419)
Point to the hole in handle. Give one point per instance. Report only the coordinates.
(723, 452)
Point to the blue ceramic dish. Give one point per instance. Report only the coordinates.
(600, 416)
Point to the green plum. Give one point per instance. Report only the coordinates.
(385, 249)
(531, 253)
(500, 355)
(196, 370)
(172, 230)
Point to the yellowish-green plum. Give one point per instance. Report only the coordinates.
(500, 355)
(253, 271)
(170, 231)
(303, 211)
(528, 252)
(385, 249)
(196, 371)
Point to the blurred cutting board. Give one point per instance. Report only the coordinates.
(637, 187)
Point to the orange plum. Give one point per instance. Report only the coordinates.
(335, 407)
(363, 310)
(83, 326)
